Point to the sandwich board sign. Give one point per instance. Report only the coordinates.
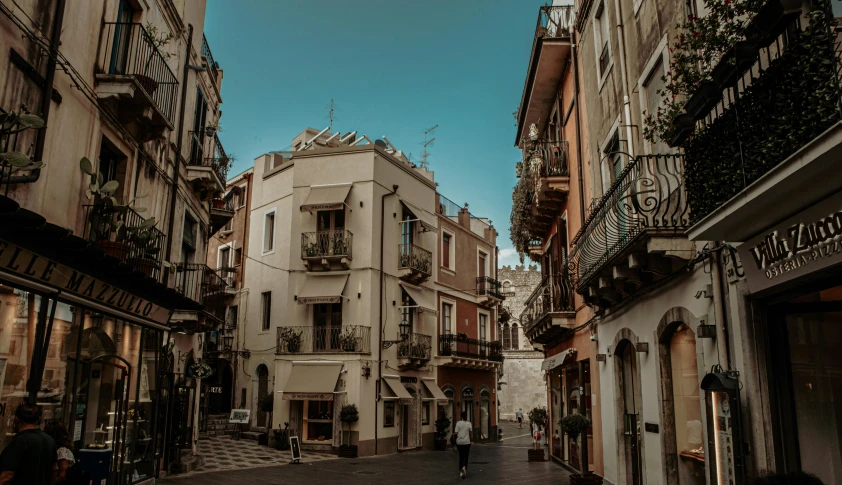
(295, 449)
(239, 416)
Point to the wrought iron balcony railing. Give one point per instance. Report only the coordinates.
(130, 50)
(416, 346)
(213, 66)
(546, 158)
(219, 163)
(416, 258)
(319, 340)
(124, 234)
(488, 286)
(460, 345)
(204, 285)
(555, 21)
(555, 294)
(647, 196)
(327, 244)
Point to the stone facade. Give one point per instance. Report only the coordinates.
(522, 384)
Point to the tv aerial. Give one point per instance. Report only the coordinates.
(429, 143)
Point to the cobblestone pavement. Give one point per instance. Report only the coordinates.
(498, 463)
(223, 453)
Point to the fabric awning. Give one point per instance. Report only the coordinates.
(428, 221)
(393, 389)
(551, 363)
(326, 197)
(421, 298)
(312, 381)
(322, 289)
(432, 392)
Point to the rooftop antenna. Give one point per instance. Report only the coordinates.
(332, 114)
(427, 144)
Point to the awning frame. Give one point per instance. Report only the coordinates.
(304, 299)
(324, 206)
(426, 225)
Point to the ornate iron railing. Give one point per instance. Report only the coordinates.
(555, 21)
(219, 163)
(327, 244)
(130, 50)
(416, 346)
(546, 158)
(555, 294)
(460, 345)
(213, 67)
(647, 195)
(123, 233)
(204, 285)
(487, 285)
(319, 340)
(416, 258)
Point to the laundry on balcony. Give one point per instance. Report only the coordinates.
(427, 220)
(313, 381)
(322, 289)
(422, 301)
(326, 197)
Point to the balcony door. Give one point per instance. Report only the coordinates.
(327, 326)
(122, 39)
(408, 229)
(331, 229)
(200, 118)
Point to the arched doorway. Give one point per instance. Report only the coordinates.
(630, 406)
(449, 409)
(468, 404)
(262, 373)
(682, 370)
(484, 415)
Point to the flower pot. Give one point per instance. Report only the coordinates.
(143, 264)
(440, 444)
(772, 19)
(149, 85)
(682, 128)
(734, 63)
(703, 100)
(348, 451)
(293, 346)
(352, 347)
(217, 204)
(114, 249)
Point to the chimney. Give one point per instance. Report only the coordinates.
(465, 218)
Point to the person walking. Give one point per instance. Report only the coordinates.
(64, 453)
(519, 415)
(29, 458)
(463, 442)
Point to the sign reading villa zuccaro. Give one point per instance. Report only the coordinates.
(807, 242)
(31, 266)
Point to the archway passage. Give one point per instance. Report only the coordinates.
(687, 409)
(628, 377)
(262, 392)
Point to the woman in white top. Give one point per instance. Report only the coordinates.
(463, 442)
(64, 453)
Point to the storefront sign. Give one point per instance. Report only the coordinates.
(26, 264)
(803, 244)
(239, 416)
(467, 393)
(308, 396)
(312, 300)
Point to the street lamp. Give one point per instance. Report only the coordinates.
(227, 341)
(404, 330)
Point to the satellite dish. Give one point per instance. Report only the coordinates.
(380, 143)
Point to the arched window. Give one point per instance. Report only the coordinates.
(507, 342)
(515, 337)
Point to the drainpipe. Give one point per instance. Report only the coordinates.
(380, 317)
(575, 52)
(46, 95)
(719, 308)
(626, 109)
(179, 143)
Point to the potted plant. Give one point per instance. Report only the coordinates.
(538, 416)
(267, 405)
(348, 415)
(281, 437)
(158, 41)
(291, 338)
(12, 123)
(348, 341)
(442, 430)
(144, 238)
(312, 250)
(574, 425)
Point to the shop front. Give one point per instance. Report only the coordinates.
(315, 400)
(570, 393)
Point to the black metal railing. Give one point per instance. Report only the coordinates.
(546, 158)
(416, 346)
(555, 294)
(204, 285)
(124, 234)
(327, 244)
(416, 258)
(213, 67)
(130, 50)
(222, 204)
(327, 339)
(555, 21)
(648, 195)
(780, 103)
(487, 285)
(460, 345)
(219, 163)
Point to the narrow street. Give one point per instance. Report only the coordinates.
(503, 462)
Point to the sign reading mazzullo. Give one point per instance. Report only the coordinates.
(31, 266)
(802, 244)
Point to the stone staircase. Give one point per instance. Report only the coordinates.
(218, 425)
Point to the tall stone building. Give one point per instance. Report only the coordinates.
(522, 385)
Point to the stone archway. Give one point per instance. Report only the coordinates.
(628, 399)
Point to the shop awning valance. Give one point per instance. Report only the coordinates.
(421, 298)
(393, 389)
(326, 197)
(428, 221)
(312, 381)
(431, 392)
(322, 289)
(551, 363)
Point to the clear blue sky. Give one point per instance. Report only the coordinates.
(394, 68)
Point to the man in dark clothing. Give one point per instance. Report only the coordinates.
(29, 457)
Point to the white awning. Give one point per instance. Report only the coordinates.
(393, 389)
(322, 289)
(421, 298)
(326, 197)
(312, 381)
(551, 363)
(431, 391)
(428, 221)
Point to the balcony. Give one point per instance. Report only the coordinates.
(207, 174)
(488, 290)
(550, 311)
(463, 351)
(204, 285)
(221, 212)
(123, 234)
(327, 249)
(352, 339)
(211, 65)
(415, 351)
(548, 174)
(134, 78)
(633, 236)
(415, 264)
(773, 138)
(550, 48)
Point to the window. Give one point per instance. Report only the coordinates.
(269, 232)
(331, 220)
(233, 316)
(13, 344)
(507, 341)
(408, 228)
(483, 326)
(188, 239)
(482, 264)
(613, 162)
(446, 319)
(224, 257)
(407, 309)
(515, 337)
(318, 420)
(601, 39)
(241, 199)
(267, 309)
(653, 84)
(238, 257)
(388, 414)
(445, 249)
(197, 141)
(425, 413)
(327, 323)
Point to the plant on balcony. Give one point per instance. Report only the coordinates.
(291, 339)
(12, 123)
(442, 430)
(158, 40)
(522, 218)
(312, 250)
(348, 341)
(348, 415)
